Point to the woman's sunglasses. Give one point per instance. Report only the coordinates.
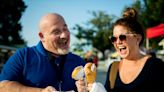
(121, 37)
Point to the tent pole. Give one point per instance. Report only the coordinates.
(147, 43)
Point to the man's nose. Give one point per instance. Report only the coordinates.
(64, 34)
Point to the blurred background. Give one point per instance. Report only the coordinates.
(90, 23)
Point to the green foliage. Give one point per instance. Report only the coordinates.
(97, 31)
(98, 28)
(10, 27)
(150, 12)
(150, 15)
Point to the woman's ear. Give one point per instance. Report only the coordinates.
(139, 38)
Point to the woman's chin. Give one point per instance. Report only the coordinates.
(123, 55)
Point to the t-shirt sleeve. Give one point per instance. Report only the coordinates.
(12, 69)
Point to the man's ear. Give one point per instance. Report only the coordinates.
(41, 36)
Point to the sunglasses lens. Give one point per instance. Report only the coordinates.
(122, 37)
(113, 39)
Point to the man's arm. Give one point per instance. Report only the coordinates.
(13, 86)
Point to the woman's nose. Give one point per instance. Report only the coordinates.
(118, 41)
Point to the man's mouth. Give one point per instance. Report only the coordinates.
(63, 43)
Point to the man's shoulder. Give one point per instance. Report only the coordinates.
(22, 52)
(31, 48)
(25, 49)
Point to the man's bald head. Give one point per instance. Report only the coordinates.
(54, 34)
(48, 20)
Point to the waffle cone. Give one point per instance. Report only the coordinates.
(90, 72)
(78, 73)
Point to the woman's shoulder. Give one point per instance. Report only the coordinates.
(156, 62)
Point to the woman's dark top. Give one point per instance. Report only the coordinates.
(150, 79)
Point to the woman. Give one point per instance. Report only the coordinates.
(136, 72)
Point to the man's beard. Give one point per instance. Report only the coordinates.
(62, 51)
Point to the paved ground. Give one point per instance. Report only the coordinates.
(101, 76)
(101, 72)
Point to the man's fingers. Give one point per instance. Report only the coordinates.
(49, 89)
(81, 86)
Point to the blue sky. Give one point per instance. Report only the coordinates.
(74, 12)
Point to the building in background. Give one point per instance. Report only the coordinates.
(5, 53)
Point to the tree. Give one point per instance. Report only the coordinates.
(10, 27)
(150, 15)
(97, 31)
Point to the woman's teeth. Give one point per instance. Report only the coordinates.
(121, 48)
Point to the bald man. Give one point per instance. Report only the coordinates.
(46, 67)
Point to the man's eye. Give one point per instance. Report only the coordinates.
(57, 32)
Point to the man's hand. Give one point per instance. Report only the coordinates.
(81, 86)
(13, 86)
(48, 89)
